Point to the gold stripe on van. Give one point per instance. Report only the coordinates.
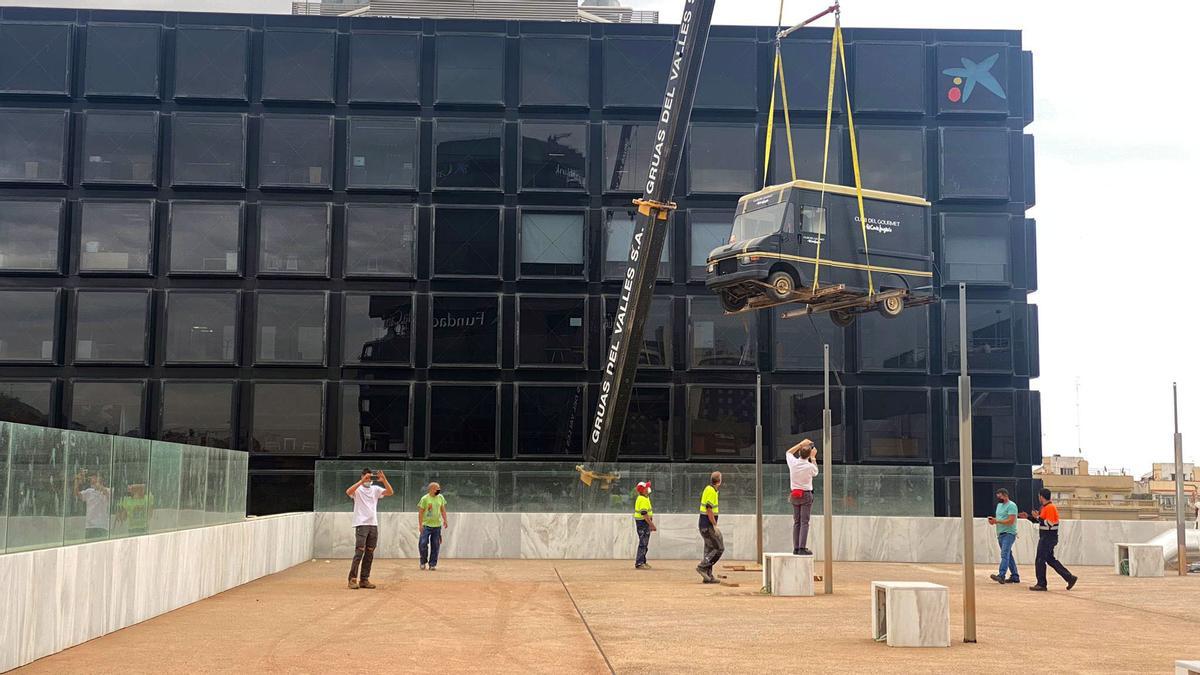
(830, 263)
(840, 190)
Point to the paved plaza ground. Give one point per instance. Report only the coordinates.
(542, 616)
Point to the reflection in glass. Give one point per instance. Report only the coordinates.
(551, 331)
(122, 60)
(206, 237)
(806, 63)
(89, 487)
(470, 68)
(30, 232)
(216, 489)
(210, 63)
(202, 327)
(657, 342)
(27, 332)
(647, 424)
(993, 426)
(162, 499)
(635, 71)
(110, 326)
(35, 58)
(297, 151)
(108, 407)
(466, 242)
(799, 342)
(462, 420)
(209, 149)
(890, 76)
(295, 239)
(550, 420)
(197, 413)
(895, 424)
(290, 328)
(468, 155)
(627, 150)
(131, 501)
(808, 144)
(554, 70)
(120, 147)
(892, 160)
(115, 236)
(379, 329)
(618, 237)
(989, 336)
(32, 145)
(288, 418)
(975, 248)
(799, 415)
(901, 343)
(974, 163)
(193, 481)
(383, 153)
(464, 330)
(721, 158)
(718, 340)
(298, 65)
(728, 78)
(375, 418)
(37, 491)
(554, 156)
(25, 403)
(706, 230)
(720, 422)
(551, 244)
(381, 240)
(384, 67)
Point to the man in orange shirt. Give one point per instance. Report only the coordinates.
(1047, 521)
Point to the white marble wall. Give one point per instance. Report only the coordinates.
(57, 598)
(612, 536)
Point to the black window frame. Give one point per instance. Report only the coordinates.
(350, 208)
(326, 329)
(90, 58)
(950, 336)
(525, 178)
(151, 243)
(433, 363)
(990, 225)
(1000, 136)
(836, 342)
(56, 328)
(636, 90)
(266, 122)
(781, 171)
(700, 272)
(910, 393)
(746, 453)
(741, 69)
(436, 384)
(181, 62)
(239, 264)
(750, 349)
(261, 268)
(668, 449)
(866, 161)
(950, 424)
(164, 389)
(236, 322)
(251, 427)
(445, 41)
(581, 273)
(147, 328)
(433, 230)
(50, 413)
(584, 329)
(68, 71)
(69, 403)
(862, 69)
(345, 330)
(85, 147)
(409, 433)
(303, 72)
(176, 159)
(645, 129)
(861, 336)
(581, 389)
(60, 237)
(63, 117)
(390, 38)
(353, 185)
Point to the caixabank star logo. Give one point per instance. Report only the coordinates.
(965, 79)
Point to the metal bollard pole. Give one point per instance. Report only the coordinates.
(966, 479)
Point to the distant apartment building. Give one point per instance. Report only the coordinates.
(589, 11)
(1082, 495)
(1159, 485)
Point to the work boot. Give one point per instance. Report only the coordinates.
(705, 574)
(796, 551)
(1072, 582)
(711, 580)
(1013, 580)
(365, 584)
(997, 578)
(643, 566)
(352, 584)
(422, 565)
(805, 551)
(1038, 587)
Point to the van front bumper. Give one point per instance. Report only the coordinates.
(734, 278)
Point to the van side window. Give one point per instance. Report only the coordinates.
(789, 220)
(814, 219)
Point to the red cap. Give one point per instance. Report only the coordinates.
(643, 486)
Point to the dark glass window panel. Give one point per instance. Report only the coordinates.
(554, 70)
(108, 407)
(889, 76)
(35, 58)
(468, 155)
(986, 92)
(550, 420)
(627, 150)
(464, 330)
(290, 328)
(989, 336)
(808, 144)
(892, 160)
(209, 149)
(901, 343)
(202, 327)
(647, 424)
(376, 418)
(551, 331)
(722, 159)
(470, 69)
(379, 329)
(295, 239)
(706, 230)
(381, 240)
(635, 71)
(462, 420)
(385, 67)
(110, 327)
(717, 340)
(554, 156)
(618, 237)
(657, 339)
(974, 163)
(298, 65)
(297, 152)
(206, 237)
(30, 234)
(799, 414)
(121, 147)
(28, 331)
(806, 64)
(720, 422)
(975, 248)
(116, 236)
(895, 424)
(26, 402)
(382, 153)
(32, 145)
(728, 78)
(799, 342)
(197, 413)
(466, 242)
(552, 244)
(122, 60)
(289, 418)
(210, 63)
(993, 426)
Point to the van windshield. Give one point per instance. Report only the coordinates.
(760, 223)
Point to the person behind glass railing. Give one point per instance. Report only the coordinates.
(714, 541)
(366, 524)
(135, 509)
(97, 498)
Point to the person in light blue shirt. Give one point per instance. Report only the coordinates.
(1005, 521)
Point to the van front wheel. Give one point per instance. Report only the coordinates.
(841, 318)
(731, 303)
(782, 285)
(891, 306)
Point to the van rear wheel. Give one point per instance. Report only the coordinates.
(891, 306)
(782, 285)
(841, 318)
(731, 303)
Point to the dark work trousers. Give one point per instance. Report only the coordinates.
(430, 544)
(1045, 556)
(714, 547)
(643, 532)
(801, 515)
(365, 538)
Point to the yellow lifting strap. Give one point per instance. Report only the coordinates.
(777, 81)
(825, 163)
(858, 189)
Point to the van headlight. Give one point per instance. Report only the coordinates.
(745, 260)
(712, 267)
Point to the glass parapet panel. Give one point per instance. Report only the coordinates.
(37, 492)
(131, 505)
(89, 487)
(162, 500)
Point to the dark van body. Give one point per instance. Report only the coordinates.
(786, 236)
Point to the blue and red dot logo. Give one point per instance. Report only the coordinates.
(972, 74)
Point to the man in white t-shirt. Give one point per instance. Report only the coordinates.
(366, 524)
(802, 468)
(97, 498)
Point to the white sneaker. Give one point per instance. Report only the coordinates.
(422, 565)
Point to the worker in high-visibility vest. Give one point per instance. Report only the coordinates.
(643, 518)
(714, 542)
(1047, 522)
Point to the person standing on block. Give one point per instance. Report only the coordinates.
(1047, 520)
(714, 543)
(643, 519)
(802, 468)
(366, 525)
(97, 498)
(431, 521)
(1005, 521)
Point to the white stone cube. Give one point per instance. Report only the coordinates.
(910, 613)
(1145, 560)
(1187, 668)
(789, 575)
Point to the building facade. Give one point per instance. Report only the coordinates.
(315, 237)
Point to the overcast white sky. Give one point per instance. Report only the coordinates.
(1117, 151)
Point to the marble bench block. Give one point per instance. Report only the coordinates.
(1144, 560)
(1187, 668)
(910, 613)
(788, 575)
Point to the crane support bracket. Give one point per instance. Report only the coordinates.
(661, 210)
